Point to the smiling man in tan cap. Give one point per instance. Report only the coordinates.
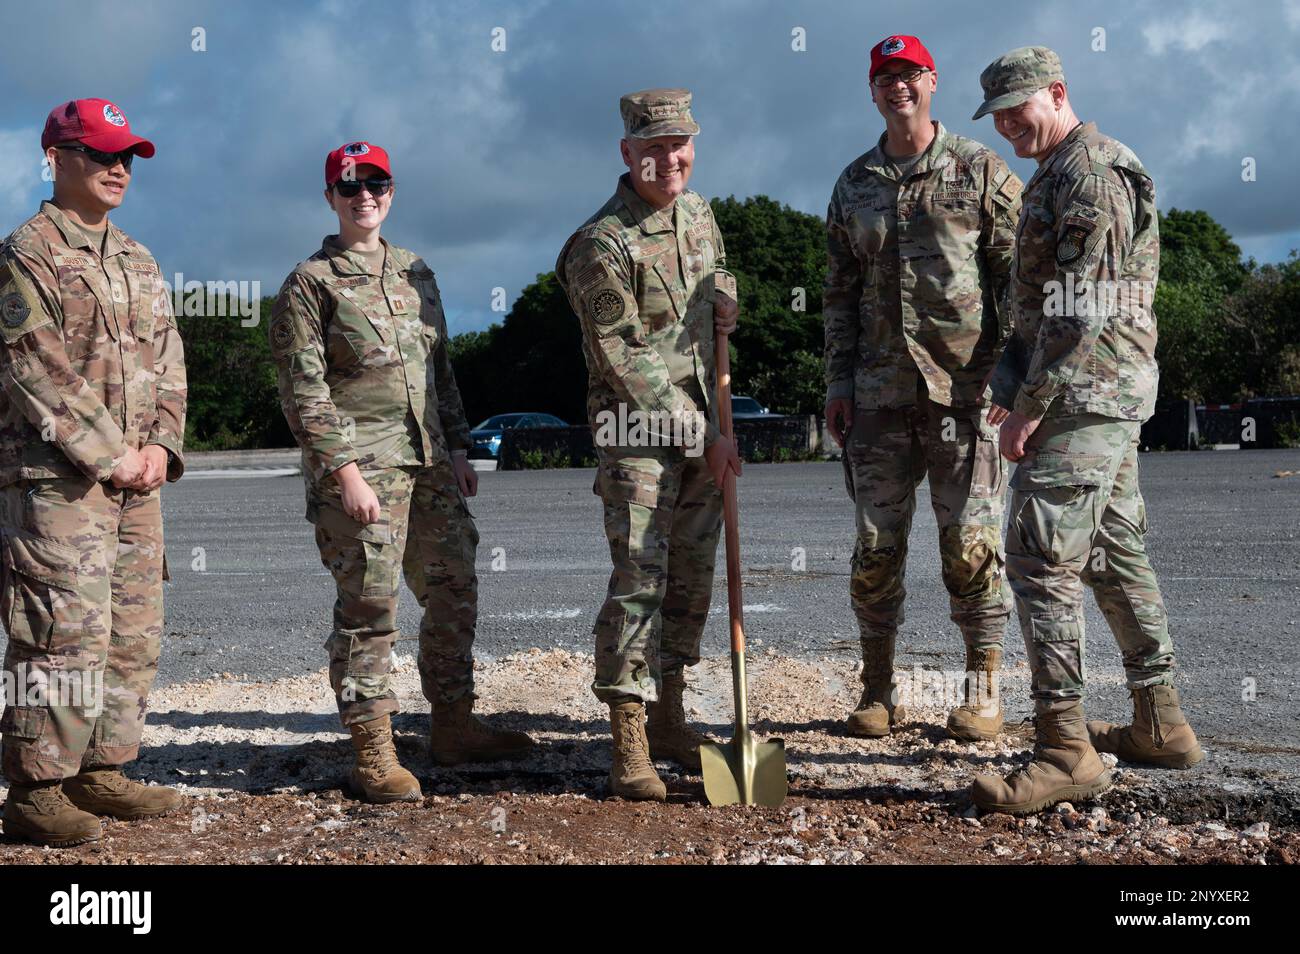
(1074, 385)
(647, 277)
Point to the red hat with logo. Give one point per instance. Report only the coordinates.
(353, 154)
(901, 49)
(96, 123)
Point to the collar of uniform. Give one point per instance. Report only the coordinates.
(1077, 133)
(346, 263)
(647, 216)
(934, 157)
(77, 236)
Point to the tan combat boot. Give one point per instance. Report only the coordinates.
(44, 815)
(456, 735)
(669, 734)
(379, 776)
(106, 791)
(632, 775)
(877, 711)
(980, 718)
(1159, 734)
(1065, 766)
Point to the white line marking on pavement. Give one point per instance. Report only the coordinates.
(232, 473)
(539, 614)
(763, 608)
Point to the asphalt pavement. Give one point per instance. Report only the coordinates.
(249, 596)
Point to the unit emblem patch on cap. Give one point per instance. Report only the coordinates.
(114, 115)
(891, 46)
(355, 149)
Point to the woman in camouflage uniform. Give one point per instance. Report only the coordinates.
(360, 340)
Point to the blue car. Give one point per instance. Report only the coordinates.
(486, 438)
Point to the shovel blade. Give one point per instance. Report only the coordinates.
(744, 772)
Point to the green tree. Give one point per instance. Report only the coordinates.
(778, 255)
(1199, 352)
(233, 400)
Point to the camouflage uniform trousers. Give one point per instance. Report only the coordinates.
(663, 514)
(889, 451)
(83, 608)
(1077, 517)
(425, 532)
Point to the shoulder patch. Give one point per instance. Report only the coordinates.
(286, 331)
(1081, 226)
(13, 310)
(606, 306)
(20, 309)
(1009, 188)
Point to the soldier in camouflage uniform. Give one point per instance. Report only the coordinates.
(646, 276)
(360, 339)
(92, 420)
(1073, 387)
(919, 234)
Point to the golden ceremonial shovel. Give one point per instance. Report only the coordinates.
(742, 771)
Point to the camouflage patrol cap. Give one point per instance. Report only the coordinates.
(657, 112)
(1013, 77)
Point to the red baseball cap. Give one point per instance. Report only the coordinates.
(904, 49)
(351, 155)
(96, 123)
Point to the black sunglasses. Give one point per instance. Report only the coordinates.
(376, 186)
(109, 159)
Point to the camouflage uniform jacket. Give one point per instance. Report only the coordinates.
(92, 364)
(643, 282)
(1087, 257)
(916, 274)
(364, 371)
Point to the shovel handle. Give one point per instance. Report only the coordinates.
(730, 507)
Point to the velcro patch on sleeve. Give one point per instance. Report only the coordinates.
(287, 331)
(1008, 188)
(605, 306)
(21, 311)
(1081, 227)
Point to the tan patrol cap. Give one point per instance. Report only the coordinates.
(657, 112)
(1013, 77)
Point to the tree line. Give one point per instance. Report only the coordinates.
(1229, 329)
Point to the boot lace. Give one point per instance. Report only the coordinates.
(630, 741)
(49, 799)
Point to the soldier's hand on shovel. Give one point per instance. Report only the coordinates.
(722, 456)
(725, 313)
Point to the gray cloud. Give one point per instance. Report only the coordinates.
(499, 156)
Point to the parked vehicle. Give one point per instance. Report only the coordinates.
(486, 437)
(748, 409)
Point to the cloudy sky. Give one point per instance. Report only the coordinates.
(499, 155)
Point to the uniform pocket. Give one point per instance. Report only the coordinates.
(24, 722)
(988, 469)
(41, 591)
(1061, 470)
(1055, 524)
(632, 493)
